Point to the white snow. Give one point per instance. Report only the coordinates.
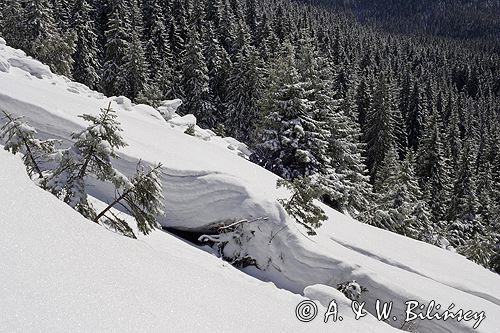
(31, 66)
(186, 121)
(61, 273)
(4, 66)
(206, 180)
(168, 108)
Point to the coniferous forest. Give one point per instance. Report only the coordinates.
(396, 122)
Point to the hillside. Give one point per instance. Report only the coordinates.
(66, 268)
(388, 110)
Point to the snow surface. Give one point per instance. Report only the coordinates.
(208, 180)
(61, 273)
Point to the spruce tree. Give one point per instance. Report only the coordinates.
(415, 116)
(141, 197)
(495, 170)
(453, 139)
(380, 127)
(465, 204)
(3, 5)
(176, 41)
(433, 169)
(363, 101)
(19, 137)
(401, 208)
(158, 54)
(13, 29)
(245, 89)
(242, 38)
(280, 23)
(62, 14)
(44, 39)
(180, 30)
(134, 60)
(213, 10)
(485, 193)
(226, 31)
(348, 175)
(86, 66)
(219, 72)
(236, 9)
(389, 170)
(91, 154)
(287, 140)
(300, 205)
(265, 39)
(114, 78)
(251, 16)
(405, 95)
(195, 83)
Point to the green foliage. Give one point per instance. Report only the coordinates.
(21, 138)
(346, 182)
(150, 95)
(195, 83)
(145, 201)
(311, 91)
(91, 153)
(86, 65)
(291, 135)
(401, 207)
(482, 249)
(380, 130)
(44, 40)
(220, 130)
(12, 24)
(117, 224)
(141, 197)
(134, 60)
(124, 65)
(190, 130)
(300, 205)
(245, 89)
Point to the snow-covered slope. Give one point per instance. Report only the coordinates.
(61, 273)
(206, 182)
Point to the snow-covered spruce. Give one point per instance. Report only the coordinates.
(20, 137)
(91, 153)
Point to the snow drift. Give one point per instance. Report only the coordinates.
(61, 273)
(207, 180)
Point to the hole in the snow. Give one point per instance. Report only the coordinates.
(190, 236)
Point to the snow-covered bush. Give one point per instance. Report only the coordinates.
(231, 242)
(351, 289)
(190, 130)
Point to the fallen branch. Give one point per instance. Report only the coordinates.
(225, 227)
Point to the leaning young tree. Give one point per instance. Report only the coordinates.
(91, 154)
(94, 149)
(141, 197)
(21, 138)
(301, 205)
